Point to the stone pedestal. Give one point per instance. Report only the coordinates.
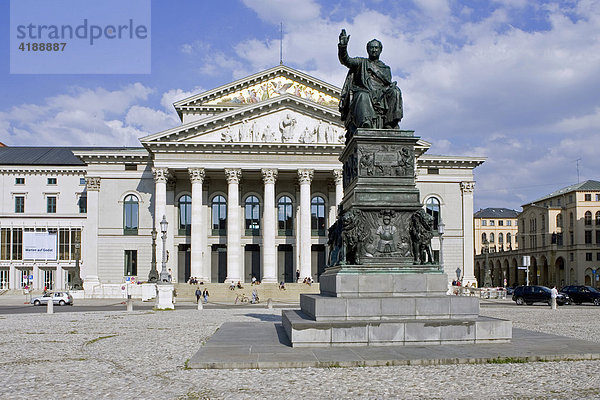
(148, 291)
(382, 286)
(164, 298)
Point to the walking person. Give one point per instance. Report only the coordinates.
(553, 295)
(205, 295)
(198, 294)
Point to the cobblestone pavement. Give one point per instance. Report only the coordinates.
(142, 355)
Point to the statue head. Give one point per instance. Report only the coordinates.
(374, 48)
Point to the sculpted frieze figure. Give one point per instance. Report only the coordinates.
(369, 98)
(286, 127)
(421, 233)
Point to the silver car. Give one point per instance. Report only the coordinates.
(60, 298)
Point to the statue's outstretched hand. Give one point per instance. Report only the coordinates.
(344, 38)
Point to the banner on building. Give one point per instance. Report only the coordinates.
(39, 245)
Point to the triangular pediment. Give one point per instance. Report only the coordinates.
(277, 81)
(278, 120)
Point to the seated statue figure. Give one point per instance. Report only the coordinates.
(369, 98)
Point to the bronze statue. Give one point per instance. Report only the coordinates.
(369, 97)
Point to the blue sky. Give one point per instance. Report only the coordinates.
(515, 81)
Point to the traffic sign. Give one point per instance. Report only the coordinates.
(521, 267)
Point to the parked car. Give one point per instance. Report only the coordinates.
(537, 294)
(60, 298)
(582, 294)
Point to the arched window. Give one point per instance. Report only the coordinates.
(185, 214)
(508, 238)
(285, 216)
(588, 217)
(500, 239)
(219, 216)
(432, 207)
(559, 220)
(597, 217)
(492, 237)
(130, 215)
(252, 213)
(483, 237)
(317, 216)
(543, 222)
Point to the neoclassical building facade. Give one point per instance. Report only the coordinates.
(248, 183)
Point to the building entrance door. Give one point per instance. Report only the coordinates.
(252, 262)
(319, 260)
(183, 263)
(218, 263)
(287, 273)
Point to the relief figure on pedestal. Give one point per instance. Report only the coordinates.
(421, 233)
(369, 98)
(286, 127)
(386, 232)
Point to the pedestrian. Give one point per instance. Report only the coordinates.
(253, 280)
(254, 297)
(297, 275)
(553, 294)
(205, 295)
(198, 294)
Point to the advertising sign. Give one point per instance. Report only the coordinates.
(39, 245)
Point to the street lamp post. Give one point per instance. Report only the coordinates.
(441, 230)
(76, 282)
(153, 275)
(164, 275)
(487, 273)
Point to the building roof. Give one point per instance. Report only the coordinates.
(588, 185)
(30, 155)
(496, 213)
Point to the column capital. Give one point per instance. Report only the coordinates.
(269, 175)
(338, 176)
(92, 183)
(305, 175)
(161, 175)
(197, 175)
(467, 186)
(233, 175)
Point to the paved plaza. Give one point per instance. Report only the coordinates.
(144, 355)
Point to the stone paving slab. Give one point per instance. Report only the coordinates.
(265, 344)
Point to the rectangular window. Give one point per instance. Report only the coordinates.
(483, 222)
(570, 256)
(597, 256)
(597, 237)
(51, 181)
(5, 243)
(130, 167)
(82, 203)
(51, 204)
(82, 181)
(19, 181)
(588, 256)
(492, 222)
(19, 204)
(500, 223)
(572, 238)
(570, 198)
(17, 244)
(588, 237)
(75, 240)
(433, 171)
(63, 244)
(588, 197)
(508, 223)
(597, 197)
(130, 262)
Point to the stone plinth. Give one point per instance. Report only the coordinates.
(164, 298)
(148, 291)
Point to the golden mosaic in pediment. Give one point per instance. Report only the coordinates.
(273, 88)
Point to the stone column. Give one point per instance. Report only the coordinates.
(160, 207)
(172, 228)
(198, 226)
(467, 225)
(234, 229)
(305, 177)
(269, 250)
(90, 236)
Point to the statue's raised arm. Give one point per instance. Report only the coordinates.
(369, 97)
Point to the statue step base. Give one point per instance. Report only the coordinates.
(305, 332)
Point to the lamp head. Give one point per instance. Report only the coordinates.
(154, 233)
(441, 227)
(164, 224)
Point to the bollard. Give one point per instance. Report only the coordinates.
(200, 305)
(129, 305)
(50, 309)
(270, 303)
